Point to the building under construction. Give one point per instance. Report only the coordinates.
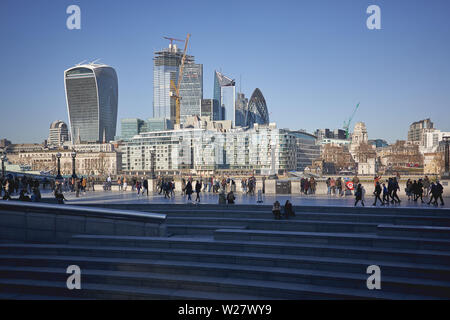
(166, 69)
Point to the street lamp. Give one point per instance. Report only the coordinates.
(74, 155)
(4, 159)
(59, 176)
(446, 158)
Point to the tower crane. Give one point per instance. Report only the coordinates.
(347, 123)
(172, 40)
(176, 88)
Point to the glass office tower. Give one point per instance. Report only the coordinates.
(191, 91)
(165, 70)
(257, 110)
(225, 96)
(241, 110)
(91, 96)
(131, 127)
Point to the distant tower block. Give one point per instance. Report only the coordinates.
(92, 96)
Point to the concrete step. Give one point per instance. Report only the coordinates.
(116, 292)
(443, 220)
(170, 269)
(321, 250)
(134, 258)
(352, 239)
(188, 229)
(95, 282)
(279, 225)
(240, 209)
(414, 231)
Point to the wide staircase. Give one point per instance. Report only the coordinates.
(242, 252)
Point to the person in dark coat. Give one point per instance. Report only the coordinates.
(276, 210)
(359, 195)
(288, 210)
(198, 189)
(145, 186)
(231, 197)
(189, 190)
(377, 193)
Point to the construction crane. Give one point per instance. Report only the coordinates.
(347, 123)
(172, 40)
(176, 88)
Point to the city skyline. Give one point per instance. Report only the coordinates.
(330, 60)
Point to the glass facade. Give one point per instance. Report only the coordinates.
(257, 109)
(241, 110)
(131, 127)
(260, 149)
(165, 69)
(92, 98)
(191, 91)
(225, 96)
(153, 124)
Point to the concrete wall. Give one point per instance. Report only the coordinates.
(55, 223)
(270, 187)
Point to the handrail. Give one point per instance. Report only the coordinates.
(83, 211)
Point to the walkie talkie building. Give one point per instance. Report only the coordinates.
(92, 96)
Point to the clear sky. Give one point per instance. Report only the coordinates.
(314, 60)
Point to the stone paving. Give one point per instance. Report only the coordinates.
(210, 198)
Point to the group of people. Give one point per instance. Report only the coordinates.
(26, 187)
(418, 189)
(288, 210)
(338, 186)
(308, 186)
(415, 190)
(389, 189)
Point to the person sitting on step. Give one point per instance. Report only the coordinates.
(288, 210)
(276, 210)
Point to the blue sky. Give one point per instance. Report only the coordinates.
(312, 59)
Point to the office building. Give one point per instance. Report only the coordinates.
(92, 97)
(307, 150)
(206, 147)
(257, 112)
(191, 90)
(225, 96)
(131, 127)
(165, 70)
(58, 134)
(241, 110)
(209, 109)
(418, 129)
(155, 124)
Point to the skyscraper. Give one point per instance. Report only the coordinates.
(58, 133)
(191, 90)
(225, 96)
(165, 69)
(257, 111)
(241, 110)
(92, 96)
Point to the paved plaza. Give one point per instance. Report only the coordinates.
(117, 197)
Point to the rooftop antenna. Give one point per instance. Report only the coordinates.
(80, 63)
(93, 62)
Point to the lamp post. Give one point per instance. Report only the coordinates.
(74, 155)
(446, 158)
(59, 176)
(4, 159)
